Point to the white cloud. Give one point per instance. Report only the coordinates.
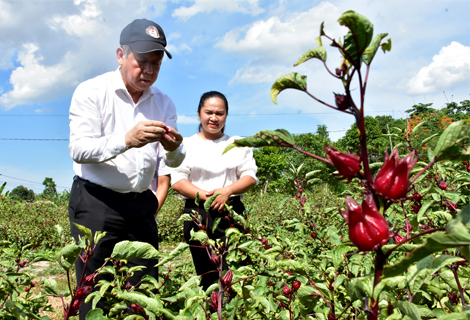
(244, 6)
(277, 42)
(448, 68)
(34, 81)
(83, 24)
(183, 119)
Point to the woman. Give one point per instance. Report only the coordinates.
(207, 172)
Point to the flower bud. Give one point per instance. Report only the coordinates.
(26, 289)
(348, 165)
(296, 285)
(263, 240)
(392, 180)
(17, 260)
(298, 195)
(451, 206)
(74, 308)
(135, 308)
(398, 238)
(214, 300)
(215, 260)
(89, 280)
(286, 290)
(82, 292)
(417, 197)
(227, 279)
(342, 101)
(443, 185)
(338, 72)
(367, 227)
(22, 264)
(313, 235)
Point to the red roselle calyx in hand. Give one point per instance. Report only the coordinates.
(348, 165)
(392, 180)
(227, 279)
(367, 227)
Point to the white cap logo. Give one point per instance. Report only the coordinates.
(152, 31)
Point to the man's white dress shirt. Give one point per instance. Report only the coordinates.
(101, 113)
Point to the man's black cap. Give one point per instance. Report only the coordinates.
(144, 36)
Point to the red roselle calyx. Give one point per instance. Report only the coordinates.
(227, 279)
(136, 308)
(286, 290)
(392, 180)
(342, 101)
(214, 300)
(89, 280)
(348, 165)
(398, 238)
(74, 308)
(296, 285)
(367, 227)
(215, 260)
(443, 185)
(451, 206)
(81, 293)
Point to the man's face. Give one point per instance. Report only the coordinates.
(139, 70)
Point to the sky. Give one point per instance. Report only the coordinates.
(237, 47)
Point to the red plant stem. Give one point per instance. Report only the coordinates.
(389, 252)
(422, 171)
(326, 104)
(205, 311)
(462, 298)
(319, 294)
(407, 224)
(379, 266)
(311, 155)
(328, 69)
(219, 306)
(366, 78)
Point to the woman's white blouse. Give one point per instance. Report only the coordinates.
(206, 167)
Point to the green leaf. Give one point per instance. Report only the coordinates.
(176, 252)
(67, 255)
(317, 53)
(409, 309)
(371, 50)
(208, 202)
(185, 217)
(51, 287)
(134, 249)
(399, 281)
(99, 235)
(95, 314)
(358, 37)
(424, 208)
(85, 231)
(426, 267)
(451, 141)
(387, 46)
(265, 138)
(435, 243)
(292, 80)
(152, 304)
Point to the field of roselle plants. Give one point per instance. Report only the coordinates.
(395, 245)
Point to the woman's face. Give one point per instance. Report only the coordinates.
(212, 117)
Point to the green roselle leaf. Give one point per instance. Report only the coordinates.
(134, 249)
(457, 235)
(318, 53)
(450, 143)
(66, 256)
(358, 37)
(265, 138)
(208, 202)
(371, 50)
(409, 309)
(292, 80)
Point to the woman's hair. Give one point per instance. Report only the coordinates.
(208, 95)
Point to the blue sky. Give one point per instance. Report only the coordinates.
(238, 47)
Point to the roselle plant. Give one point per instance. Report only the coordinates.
(369, 229)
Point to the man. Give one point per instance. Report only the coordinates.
(117, 123)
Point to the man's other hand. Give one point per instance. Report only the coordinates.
(171, 139)
(145, 132)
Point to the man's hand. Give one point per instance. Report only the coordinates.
(171, 139)
(145, 132)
